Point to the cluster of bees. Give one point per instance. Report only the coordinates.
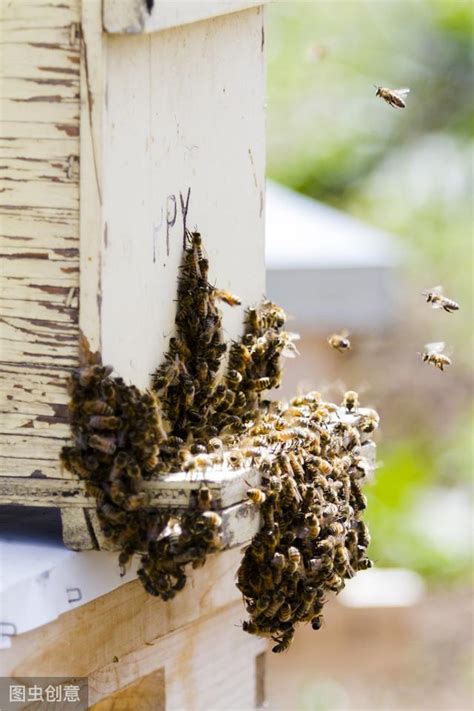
(198, 416)
(312, 537)
(433, 352)
(191, 419)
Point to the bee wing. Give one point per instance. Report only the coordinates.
(437, 347)
(401, 93)
(344, 333)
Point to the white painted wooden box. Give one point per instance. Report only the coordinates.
(120, 125)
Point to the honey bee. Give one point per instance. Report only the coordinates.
(284, 613)
(316, 622)
(368, 422)
(235, 458)
(294, 559)
(393, 97)
(351, 401)
(433, 354)
(364, 564)
(104, 422)
(204, 498)
(340, 341)
(212, 519)
(106, 445)
(234, 378)
(227, 297)
(256, 496)
(283, 642)
(97, 407)
(313, 525)
(438, 301)
(260, 384)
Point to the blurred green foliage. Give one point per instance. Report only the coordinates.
(408, 172)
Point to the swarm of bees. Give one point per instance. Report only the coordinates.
(311, 502)
(193, 418)
(197, 416)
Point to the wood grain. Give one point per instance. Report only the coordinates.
(39, 216)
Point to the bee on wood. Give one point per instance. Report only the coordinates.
(204, 498)
(433, 354)
(256, 496)
(435, 297)
(340, 341)
(393, 97)
(212, 519)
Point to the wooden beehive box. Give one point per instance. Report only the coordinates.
(121, 125)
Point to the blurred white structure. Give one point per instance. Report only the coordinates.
(326, 268)
(383, 587)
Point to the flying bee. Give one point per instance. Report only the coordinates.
(435, 297)
(433, 354)
(393, 97)
(351, 401)
(340, 341)
(256, 496)
(227, 297)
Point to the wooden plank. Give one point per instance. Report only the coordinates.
(16, 130)
(195, 678)
(85, 640)
(91, 146)
(147, 693)
(132, 16)
(47, 109)
(40, 13)
(171, 128)
(77, 533)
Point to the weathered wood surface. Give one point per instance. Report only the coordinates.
(195, 637)
(184, 143)
(132, 16)
(39, 217)
(71, 256)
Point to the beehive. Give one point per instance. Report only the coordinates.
(122, 125)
